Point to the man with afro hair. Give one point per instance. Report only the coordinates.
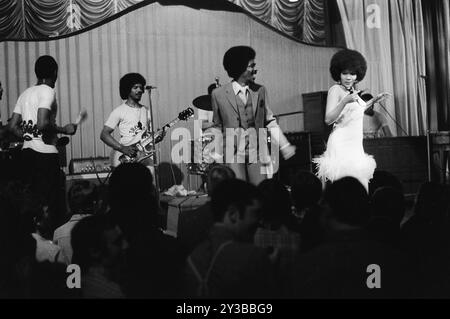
(241, 107)
(130, 117)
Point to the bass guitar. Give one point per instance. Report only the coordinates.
(145, 146)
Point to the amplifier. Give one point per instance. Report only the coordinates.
(90, 165)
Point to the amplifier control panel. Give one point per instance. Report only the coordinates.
(90, 165)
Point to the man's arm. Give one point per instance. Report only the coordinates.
(108, 139)
(286, 148)
(45, 124)
(13, 125)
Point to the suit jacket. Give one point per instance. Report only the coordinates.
(225, 109)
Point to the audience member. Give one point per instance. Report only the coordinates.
(306, 192)
(387, 212)
(426, 235)
(383, 178)
(339, 267)
(278, 232)
(154, 260)
(98, 249)
(82, 197)
(31, 266)
(203, 215)
(227, 264)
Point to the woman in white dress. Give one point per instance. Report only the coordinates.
(345, 154)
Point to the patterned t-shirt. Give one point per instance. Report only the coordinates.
(131, 121)
(28, 104)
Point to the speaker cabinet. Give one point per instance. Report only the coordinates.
(405, 157)
(314, 105)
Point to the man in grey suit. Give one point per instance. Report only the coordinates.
(240, 109)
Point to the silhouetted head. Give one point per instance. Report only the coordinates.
(132, 197)
(277, 205)
(97, 240)
(237, 205)
(382, 179)
(432, 201)
(216, 174)
(348, 201)
(82, 197)
(389, 202)
(306, 190)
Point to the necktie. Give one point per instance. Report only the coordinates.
(242, 94)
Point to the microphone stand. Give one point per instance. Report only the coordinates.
(395, 121)
(151, 129)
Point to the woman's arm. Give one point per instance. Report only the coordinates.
(376, 99)
(335, 104)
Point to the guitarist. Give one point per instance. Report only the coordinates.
(130, 117)
(34, 117)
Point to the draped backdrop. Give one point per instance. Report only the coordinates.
(437, 28)
(390, 34)
(31, 19)
(177, 48)
(178, 45)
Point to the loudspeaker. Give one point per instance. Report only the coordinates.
(300, 161)
(314, 106)
(405, 157)
(182, 215)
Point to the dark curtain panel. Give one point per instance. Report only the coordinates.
(333, 25)
(436, 19)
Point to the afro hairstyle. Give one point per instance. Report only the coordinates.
(235, 60)
(348, 60)
(45, 67)
(128, 81)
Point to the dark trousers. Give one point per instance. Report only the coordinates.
(42, 173)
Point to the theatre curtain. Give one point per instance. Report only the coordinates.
(304, 20)
(390, 34)
(437, 30)
(33, 20)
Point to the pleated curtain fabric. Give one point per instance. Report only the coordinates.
(390, 34)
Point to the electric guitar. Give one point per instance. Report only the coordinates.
(145, 146)
(53, 139)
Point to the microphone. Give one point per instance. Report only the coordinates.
(150, 87)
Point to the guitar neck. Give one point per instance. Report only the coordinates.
(149, 139)
(170, 124)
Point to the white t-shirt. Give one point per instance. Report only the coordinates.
(32, 99)
(132, 122)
